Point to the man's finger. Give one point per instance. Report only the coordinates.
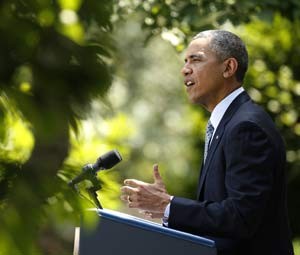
(126, 190)
(124, 198)
(148, 214)
(153, 215)
(133, 204)
(133, 183)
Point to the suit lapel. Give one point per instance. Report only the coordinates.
(236, 103)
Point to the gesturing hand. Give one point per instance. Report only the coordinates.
(152, 199)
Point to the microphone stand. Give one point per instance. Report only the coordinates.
(92, 191)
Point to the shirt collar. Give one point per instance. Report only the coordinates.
(220, 109)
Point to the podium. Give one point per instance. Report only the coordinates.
(120, 233)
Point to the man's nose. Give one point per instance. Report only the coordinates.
(186, 70)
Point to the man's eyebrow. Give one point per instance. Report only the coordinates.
(193, 56)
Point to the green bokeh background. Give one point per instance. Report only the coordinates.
(78, 78)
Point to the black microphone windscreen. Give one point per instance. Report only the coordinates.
(108, 160)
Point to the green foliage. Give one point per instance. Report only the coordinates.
(296, 245)
(180, 19)
(53, 62)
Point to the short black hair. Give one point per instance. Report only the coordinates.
(226, 44)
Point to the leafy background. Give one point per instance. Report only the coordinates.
(79, 78)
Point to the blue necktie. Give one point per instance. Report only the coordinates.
(208, 136)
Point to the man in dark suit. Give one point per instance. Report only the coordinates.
(241, 196)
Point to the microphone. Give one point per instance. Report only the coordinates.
(106, 161)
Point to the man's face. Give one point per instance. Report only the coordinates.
(203, 74)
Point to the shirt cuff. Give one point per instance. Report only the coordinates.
(165, 219)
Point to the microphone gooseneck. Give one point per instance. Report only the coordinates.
(106, 161)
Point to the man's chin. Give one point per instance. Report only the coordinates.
(198, 101)
(195, 100)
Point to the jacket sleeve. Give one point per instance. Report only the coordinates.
(249, 162)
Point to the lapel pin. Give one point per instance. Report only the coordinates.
(217, 137)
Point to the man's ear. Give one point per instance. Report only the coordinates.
(231, 66)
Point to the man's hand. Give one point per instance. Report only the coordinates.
(152, 199)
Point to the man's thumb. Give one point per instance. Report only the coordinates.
(156, 174)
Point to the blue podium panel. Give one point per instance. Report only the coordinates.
(119, 233)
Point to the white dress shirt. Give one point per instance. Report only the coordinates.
(215, 119)
(220, 109)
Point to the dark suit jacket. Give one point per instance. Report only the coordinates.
(241, 198)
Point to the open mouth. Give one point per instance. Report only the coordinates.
(189, 83)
